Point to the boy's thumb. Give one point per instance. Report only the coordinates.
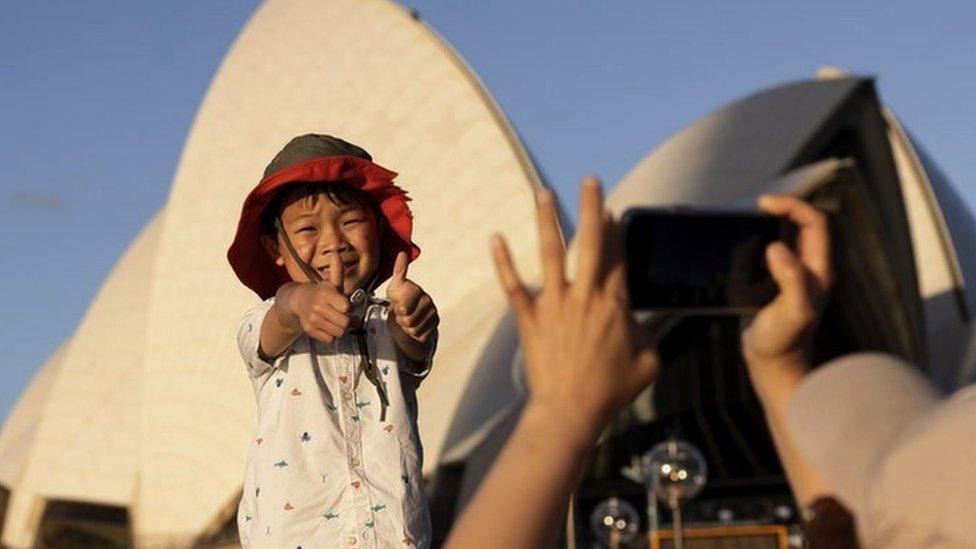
(400, 267)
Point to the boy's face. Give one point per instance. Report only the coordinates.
(319, 228)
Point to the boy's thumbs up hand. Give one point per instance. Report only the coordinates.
(320, 309)
(412, 311)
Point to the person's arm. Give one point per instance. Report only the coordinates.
(582, 363)
(806, 481)
(522, 502)
(317, 309)
(776, 343)
(413, 318)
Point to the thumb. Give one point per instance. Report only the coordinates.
(336, 274)
(788, 272)
(398, 278)
(646, 364)
(400, 267)
(646, 368)
(792, 311)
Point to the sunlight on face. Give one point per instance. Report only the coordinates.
(320, 228)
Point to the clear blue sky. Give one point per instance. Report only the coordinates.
(96, 98)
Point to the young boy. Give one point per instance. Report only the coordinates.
(337, 459)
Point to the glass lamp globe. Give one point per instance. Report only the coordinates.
(614, 522)
(678, 471)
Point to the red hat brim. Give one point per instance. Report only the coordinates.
(251, 262)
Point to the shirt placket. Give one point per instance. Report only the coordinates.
(362, 533)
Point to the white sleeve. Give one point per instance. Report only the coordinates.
(249, 338)
(846, 413)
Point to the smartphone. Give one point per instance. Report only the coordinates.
(701, 261)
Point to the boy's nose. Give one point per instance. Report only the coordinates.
(330, 241)
(338, 245)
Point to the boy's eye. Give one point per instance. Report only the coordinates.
(353, 221)
(305, 229)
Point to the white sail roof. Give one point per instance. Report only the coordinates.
(82, 409)
(17, 436)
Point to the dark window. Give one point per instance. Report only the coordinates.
(84, 525)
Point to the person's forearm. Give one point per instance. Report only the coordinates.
(523, 499)
(807, 483)
(281, 325)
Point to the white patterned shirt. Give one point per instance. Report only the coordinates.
(323, 470)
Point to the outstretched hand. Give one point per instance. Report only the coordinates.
(583, 361)
(579, 341)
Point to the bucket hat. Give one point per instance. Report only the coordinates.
(317, 158)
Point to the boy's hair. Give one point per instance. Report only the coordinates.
(338, 193)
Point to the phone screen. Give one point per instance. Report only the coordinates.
(687, 260)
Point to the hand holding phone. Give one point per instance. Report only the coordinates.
(776, 342)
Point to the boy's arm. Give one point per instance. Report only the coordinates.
(280, 327)
(413, 318)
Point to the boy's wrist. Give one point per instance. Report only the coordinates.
(286, 307)
(412, 348)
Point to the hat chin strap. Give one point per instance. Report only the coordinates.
(311, 273)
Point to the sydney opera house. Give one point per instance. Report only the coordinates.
(134, 432)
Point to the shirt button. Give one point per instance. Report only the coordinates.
(351, 540)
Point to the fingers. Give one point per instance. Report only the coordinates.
(400, 267)
(326, 297)
(813, 240)
(590, 234)
(426, 326)
(420, 325)
(422, 312)
(790, 275)
(336, 271)
(408, 298)
(645, 370)
(326, 316)
(330, 312)
(551, 249)
(326, 328)
(646, 362)
(508, 277)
